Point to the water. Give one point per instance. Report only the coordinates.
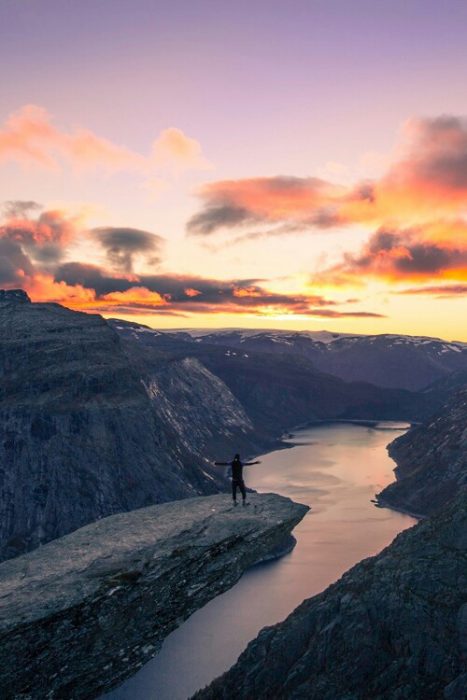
(336, 469)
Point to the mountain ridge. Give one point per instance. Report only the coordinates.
(388, 360)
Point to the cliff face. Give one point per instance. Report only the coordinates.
(82, 613)
(394, 626)
(195, 403)
(83, 435)
(431, 461)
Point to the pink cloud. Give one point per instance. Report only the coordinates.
(29, 136)
(174, 149)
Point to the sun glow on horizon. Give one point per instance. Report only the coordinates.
(307, 208)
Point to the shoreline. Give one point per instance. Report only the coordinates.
(282, 442)
(381, 503)
(377, 502)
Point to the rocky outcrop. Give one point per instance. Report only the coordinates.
(394, 626)
(82, 613)
(196, 404)
(84, 435)
(431, 461)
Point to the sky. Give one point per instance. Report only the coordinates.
(260, 164)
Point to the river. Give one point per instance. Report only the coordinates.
(335, 468)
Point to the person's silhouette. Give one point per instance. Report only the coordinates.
(236, 473)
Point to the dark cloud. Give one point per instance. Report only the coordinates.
(214, 217)
(427, 258)
(14, 264)
(92, 277)
(189, 290)
(442, 291)
(363, 192)
(437, 153)
(299, 203)
(44, 239)
(123, 245)
(207, 290)
(401, 254)
(330, 313)
(181, 294)
(20, 208)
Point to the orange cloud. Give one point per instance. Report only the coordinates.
(437, 251)
(50, 228)
(249, 292)
(426, 181)
(174, 149)
(29, 242)
(43, 287)
(418, 207)
(29, 136)
(134, 296)
(90, 288)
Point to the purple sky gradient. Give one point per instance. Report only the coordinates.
(301, 88)
(307, 81)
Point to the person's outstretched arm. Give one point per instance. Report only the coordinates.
(222, 464)
(248, 464)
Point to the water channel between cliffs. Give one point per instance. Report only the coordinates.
(336, 468)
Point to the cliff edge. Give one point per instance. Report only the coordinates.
(84, 612)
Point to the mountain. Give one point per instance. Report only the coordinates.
(431, 460)
(393, 361)
(394, 626)
(84, 612)
(277, 391)
(83, 434)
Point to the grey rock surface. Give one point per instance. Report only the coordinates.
(431, 461)
(82, 613)
(84, 435)
(393, 627)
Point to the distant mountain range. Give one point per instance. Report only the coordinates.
(392, 361)
(278, 391)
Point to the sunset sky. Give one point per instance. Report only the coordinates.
(263, 164)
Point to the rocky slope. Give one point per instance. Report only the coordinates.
(394, 626)
(394, 361)
(82, 613)
(431, 461)
(84, 435)
(277, 391)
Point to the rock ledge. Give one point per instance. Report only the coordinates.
(82, 613)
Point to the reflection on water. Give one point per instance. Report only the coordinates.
(336, 469)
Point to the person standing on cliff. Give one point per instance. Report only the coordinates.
(236, 474)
